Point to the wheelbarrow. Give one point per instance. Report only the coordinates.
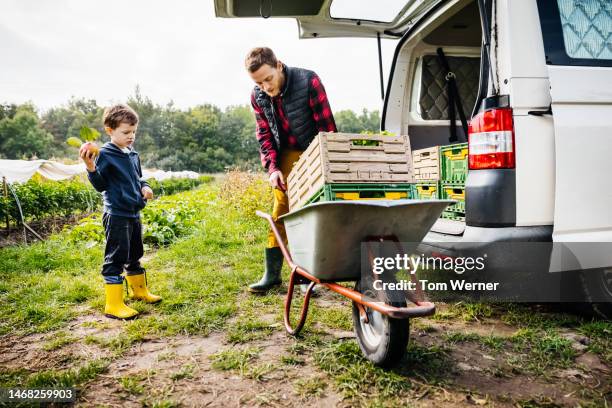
(326, 248)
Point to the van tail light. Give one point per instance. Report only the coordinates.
(491, 140)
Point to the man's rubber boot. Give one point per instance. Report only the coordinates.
(272, 274)
(138, 285)
(115, 308)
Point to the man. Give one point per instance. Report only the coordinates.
(291, 108)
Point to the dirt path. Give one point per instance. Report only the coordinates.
(278, 370)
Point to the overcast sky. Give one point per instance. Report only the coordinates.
(175, 50)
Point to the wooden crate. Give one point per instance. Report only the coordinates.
(426, 163)
(343, 158)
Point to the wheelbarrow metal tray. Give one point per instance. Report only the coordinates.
(325, 238)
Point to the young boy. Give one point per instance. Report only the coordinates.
(117, 174)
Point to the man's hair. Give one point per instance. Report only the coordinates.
(117, 114)
(258, 57)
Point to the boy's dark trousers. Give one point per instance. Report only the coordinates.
(123, 247)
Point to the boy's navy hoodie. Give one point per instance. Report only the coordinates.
(118, 176)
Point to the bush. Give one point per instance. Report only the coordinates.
(246, 192)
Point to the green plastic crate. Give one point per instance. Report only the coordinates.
(355, 191)
(457, 216)
(427, 190)
(454, 163)
(454, 191)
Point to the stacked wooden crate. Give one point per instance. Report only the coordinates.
(344, 166)
(426, 164)
(440, 172)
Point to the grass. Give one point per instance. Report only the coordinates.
(132, 384)
(360, 381)
(490, 342)
(292, 361)
(42, 283)
(202, 278)
(600, 338)
(53, 378)
(246, 330)
(468, 312)
(234, 359)
(310, 387)
(337, 317)
(186, 371)
(45, 285)
(60, 339)
(540, 351)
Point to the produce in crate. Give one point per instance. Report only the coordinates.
(345, 158)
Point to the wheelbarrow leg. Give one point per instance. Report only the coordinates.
(294, 275)
(304, 312)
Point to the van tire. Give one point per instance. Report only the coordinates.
(393, 334)
(597, 286)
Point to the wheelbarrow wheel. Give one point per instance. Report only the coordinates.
(382, 339)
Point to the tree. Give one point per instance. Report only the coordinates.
(202, 138)
(238, 126)
(348, 122)
(7, 110)
(65, 121)
(22, 136)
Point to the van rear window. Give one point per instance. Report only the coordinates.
(577, 32)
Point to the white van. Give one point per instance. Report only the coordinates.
(534, 78)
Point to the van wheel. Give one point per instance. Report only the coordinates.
(598, 290)
(382, 340)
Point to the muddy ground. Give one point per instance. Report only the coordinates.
(180, 371)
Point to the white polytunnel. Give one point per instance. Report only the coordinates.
(20, 171)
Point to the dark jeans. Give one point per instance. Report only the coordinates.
(123, 247)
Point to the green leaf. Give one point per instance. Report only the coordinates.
(74, 141)
(89, 134)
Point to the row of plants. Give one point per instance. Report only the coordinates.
(164, 220)
(41, 199)
(171, 217)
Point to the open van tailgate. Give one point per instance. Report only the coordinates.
(333, 18)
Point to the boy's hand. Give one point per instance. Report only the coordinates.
(278, 181)
(147, 193)
(88, 157)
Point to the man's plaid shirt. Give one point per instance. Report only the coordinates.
(321, 113)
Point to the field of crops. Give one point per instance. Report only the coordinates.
(211, 343)
(40, 198)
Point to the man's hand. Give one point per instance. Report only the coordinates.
(278, 181)
(147, 193)
(88, 157)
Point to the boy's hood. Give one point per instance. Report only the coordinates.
(110, 148)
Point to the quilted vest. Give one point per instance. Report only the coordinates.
(295, 103)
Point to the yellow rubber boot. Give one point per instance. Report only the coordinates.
(139, 289)
(115, 308)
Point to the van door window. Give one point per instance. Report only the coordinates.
(433, 100)
(587, 28)
(577, 32)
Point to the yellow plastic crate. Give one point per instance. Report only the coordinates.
(388, 195)
(455, 192)
(427, 191)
